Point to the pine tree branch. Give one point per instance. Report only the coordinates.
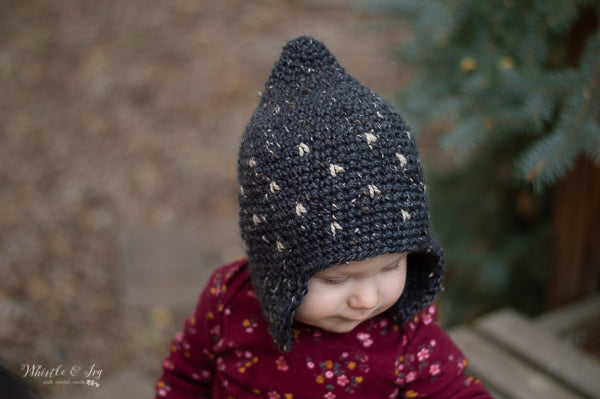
(588, 96)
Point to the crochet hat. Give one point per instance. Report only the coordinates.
(329, 174)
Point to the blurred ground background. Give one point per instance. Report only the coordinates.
(119, 124)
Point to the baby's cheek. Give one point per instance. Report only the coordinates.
(316, 305)
(392, 290)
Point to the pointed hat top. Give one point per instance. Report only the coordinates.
(303, 60)
(305, 52)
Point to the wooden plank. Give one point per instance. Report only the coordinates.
(505, 373)
(570, 317)
(563, 362)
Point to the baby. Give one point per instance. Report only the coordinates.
(334, 300)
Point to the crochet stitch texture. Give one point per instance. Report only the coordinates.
(329, 174)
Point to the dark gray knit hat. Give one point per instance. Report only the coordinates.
(329, 174)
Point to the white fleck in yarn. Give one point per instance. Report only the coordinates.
(405, 215)
(274, 187)
(303, 149)
(334, 227)
(300, 209)
(402, 159)
(335, 169)
(370, 137)
(373, 190)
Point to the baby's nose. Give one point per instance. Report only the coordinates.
(366, 296)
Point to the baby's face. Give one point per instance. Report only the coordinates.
(343, 296)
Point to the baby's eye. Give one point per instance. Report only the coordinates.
(334, 280)
(391, 268)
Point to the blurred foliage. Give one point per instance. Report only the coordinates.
(515, 87)
(495, 233)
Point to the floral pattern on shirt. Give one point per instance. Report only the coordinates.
(342, 374)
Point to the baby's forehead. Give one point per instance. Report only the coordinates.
(364, 266)
(341, 270)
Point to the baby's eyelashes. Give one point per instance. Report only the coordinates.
(334, 280)
(391, 268)
(331, 280)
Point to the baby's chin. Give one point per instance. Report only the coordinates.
(343, 329)
(338, 325)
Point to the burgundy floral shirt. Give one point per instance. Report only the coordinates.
(225, 351)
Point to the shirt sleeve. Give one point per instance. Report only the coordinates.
(189, 369)
(432, 365)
